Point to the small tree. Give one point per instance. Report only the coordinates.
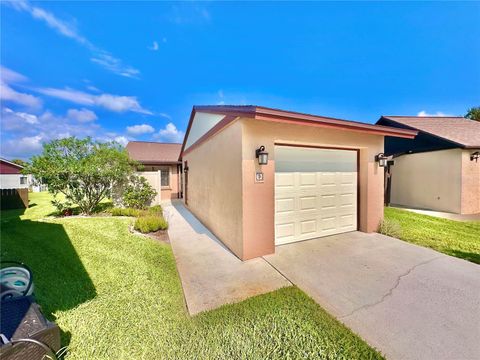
(82, 169)
(20, 162)
(138, 193)
(473, 113)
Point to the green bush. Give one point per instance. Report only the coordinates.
(149, 223)
(155, 210)
(138, 193)
(126, 212)
(391, 228)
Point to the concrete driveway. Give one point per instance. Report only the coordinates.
(407, 301)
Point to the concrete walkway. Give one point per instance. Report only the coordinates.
(443, 215)
(211, 275)
(407, 301)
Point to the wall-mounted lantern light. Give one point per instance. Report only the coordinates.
(475, 156)
(381, 159)
(261, 155)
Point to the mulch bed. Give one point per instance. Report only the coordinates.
(160, 235)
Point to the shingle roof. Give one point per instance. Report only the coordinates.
(154, 152)
(459, 130)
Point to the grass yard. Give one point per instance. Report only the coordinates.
(118, 296)
(455, 238)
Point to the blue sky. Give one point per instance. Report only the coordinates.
(133, 70)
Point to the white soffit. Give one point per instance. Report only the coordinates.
(201, 124)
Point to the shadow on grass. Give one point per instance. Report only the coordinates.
(60, 279)
(473, 257)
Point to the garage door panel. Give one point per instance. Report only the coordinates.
(285, 230)
(308, 202)
(307, 180)
(311, 203)
(285, 204)
(285, 180)
(308, 227)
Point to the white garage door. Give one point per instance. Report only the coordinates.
(315, 193)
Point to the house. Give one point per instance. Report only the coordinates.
(159, 165)
(439, 169)
(13, 186)
(11, 176)
(259, 177)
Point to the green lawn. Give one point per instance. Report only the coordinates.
(118, 296)
(455, 238)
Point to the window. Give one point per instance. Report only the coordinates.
(23, 180)
(165, 177)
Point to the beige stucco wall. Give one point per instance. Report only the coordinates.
(163, 193)
(430, 180)
(215, 185)
(258, 198)
(470, 191)
(223, 194)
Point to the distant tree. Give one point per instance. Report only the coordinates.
(82, 169)
(473, 113)
(20, 162)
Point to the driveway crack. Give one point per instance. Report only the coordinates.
(392, 289)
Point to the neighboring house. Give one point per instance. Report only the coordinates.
(35, 185)
(440, 168)
(11, 176)
(13, 186)
(160, 166)
(321, 177)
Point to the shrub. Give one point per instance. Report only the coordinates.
(390, 228)
(125, 212)
(63, 208)
(155, 210)
(138, 193)
(149, 223)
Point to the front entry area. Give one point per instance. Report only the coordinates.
(315, 192)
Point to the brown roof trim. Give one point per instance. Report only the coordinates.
(289, 117)
(389, 118)
(158, 162)
(11, 163)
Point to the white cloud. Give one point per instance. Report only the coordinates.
(423, 113)
(23, 133)
(154, 46)
(7, 93)
(188, 13)
(122, 140)
(93, 88)
(30, 143)
(140, 129)
(110, 102)
(170, 134)
(28, 118)
(69, 30)
(221, 95)
(82, 115)
(9, 76)
(115, 65)
(22, 147)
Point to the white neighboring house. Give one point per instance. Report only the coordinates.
(11, 176)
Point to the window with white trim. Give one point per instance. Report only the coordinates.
(165, 177)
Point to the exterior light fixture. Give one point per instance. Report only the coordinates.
(381, 159)
(475, 156)
(261, 155)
